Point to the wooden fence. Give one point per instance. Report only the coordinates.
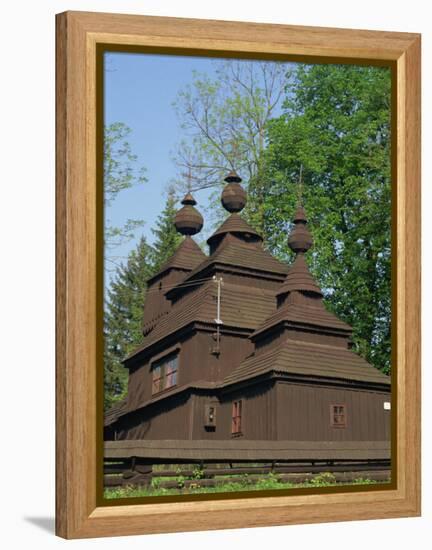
(209, 463)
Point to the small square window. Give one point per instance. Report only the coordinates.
(338, 416)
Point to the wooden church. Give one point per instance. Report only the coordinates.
(238, 345)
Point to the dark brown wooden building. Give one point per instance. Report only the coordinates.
(237, 344)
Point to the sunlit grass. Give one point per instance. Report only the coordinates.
(269, 482)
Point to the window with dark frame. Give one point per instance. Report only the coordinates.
(338, 417)
(236, 421)
(164, 373)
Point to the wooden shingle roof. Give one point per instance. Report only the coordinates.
(234, 224)
(187, 256)
(299, 278)
(311, 316)
(115, 412)
(241, 307)
(249, 256)
(308, 359)
(237, 254)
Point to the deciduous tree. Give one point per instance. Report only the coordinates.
(224, 121)
(121, 172)
(336, 130)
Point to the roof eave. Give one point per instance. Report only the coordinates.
(275, 374)
(334, 331)
(172, 393)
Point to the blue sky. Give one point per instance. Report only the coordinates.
(139, 91)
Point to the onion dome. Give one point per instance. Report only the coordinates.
(300, 215)
(300, 239)
(188, 221)
(299, 277)
(234, 200)
(233, 196)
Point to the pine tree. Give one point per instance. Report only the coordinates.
(125, 300)
(123, 319)
(166, 237)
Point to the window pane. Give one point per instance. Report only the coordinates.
(165, 373)
(171, 372)
(338, 416)
(174, 378)
(157, 379)
(170, 380)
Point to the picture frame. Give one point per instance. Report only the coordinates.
(81, 37)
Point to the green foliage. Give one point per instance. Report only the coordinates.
(363, 481)
(181, 482)
(166, 237)
(323, 479)
(198, 473)
(335, 134)
(125, 300)
(119, 170)
(268, 482)
(334, 131)
(155, 483)
(120, 173)
(123, 319)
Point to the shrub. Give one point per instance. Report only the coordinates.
(323, 479)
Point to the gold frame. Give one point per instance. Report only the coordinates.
(78, 36)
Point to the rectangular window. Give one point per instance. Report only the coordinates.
(338, 417)
(236, 421)
(165, 373)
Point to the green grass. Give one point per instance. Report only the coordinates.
(270, 481)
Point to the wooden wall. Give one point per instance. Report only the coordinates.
(274, 410)
(162, 420)
(303, 413)
(258, 414)
(184, 417)
(196, 363)
(156, 304)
